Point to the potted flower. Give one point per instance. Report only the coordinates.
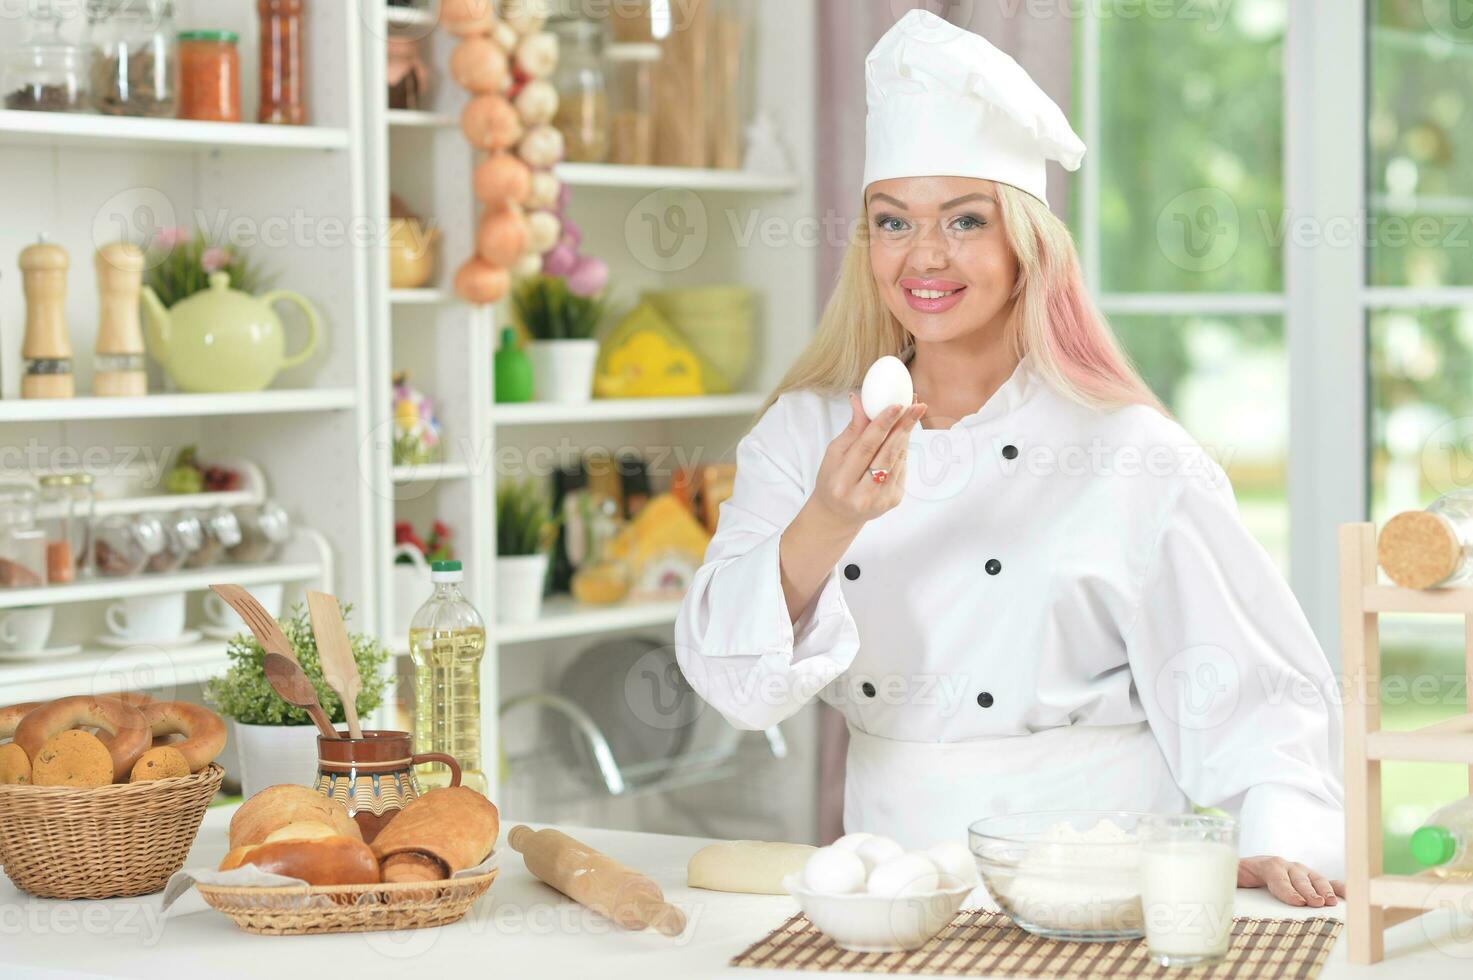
(180, 265)
(562, 327)
(524, 534)
(275, 741)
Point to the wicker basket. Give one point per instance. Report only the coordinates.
(294, 911)
(112, 841)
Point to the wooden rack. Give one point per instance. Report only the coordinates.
(1377, 901)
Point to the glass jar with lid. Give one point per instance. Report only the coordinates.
(583, 97)
(183, 536)
(632, 103)
(264, 530)
(135, 57)
(122, 544)
(209, 76)
(283, 78)
(1424, 549)
(21, 565)
(222, 532)
(65, 509)
(45, 72)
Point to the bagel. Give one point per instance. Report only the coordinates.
(10, 718)
(203, 731)
(129, 731)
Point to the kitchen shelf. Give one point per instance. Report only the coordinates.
(77, 129)
(194, 580)
(627, 410)
(432, 473)
(177, 406)
(416, 119)
(420, 297)
(675, 178)
(138, 668)
(563, 617)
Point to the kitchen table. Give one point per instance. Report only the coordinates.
(520, 929)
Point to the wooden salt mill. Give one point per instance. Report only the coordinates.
(120, 370)
(47, 350)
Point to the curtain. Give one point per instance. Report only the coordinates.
(1043, 44)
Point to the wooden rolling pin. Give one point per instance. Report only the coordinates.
(596, 880)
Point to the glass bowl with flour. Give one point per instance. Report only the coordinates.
(1064, 874)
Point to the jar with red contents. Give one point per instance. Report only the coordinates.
(283, 85)
(209, 76)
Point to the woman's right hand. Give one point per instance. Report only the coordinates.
(845, 496)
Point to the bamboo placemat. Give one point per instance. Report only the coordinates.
(979, 943)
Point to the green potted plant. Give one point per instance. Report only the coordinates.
(562, 326)
(524, 533)
(275, 741)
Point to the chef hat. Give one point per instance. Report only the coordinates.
(945, 102)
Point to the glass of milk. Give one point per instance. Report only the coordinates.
(1189, 875)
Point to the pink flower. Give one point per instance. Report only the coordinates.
(214, 259)
(561, 261)
(589, 278)
(168, 238)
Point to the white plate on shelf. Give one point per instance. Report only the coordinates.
(184, 639)
(26, 656)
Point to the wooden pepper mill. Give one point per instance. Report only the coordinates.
(47, 350)
(120, 370)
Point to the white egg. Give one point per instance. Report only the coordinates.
(876, 851)
(912, 873)
(834, 871)
(886, 383)
(851, 842)
(954, 860)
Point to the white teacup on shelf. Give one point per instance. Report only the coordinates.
(27, 629)
(147, 618)
(223, 619)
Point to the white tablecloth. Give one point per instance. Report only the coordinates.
(521, 930)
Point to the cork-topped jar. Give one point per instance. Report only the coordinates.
(1424, 549)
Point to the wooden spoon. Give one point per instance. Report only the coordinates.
(291, 684)
(335, 651)
(263, 626)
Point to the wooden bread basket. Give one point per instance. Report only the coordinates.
(316, 910)
(108, 842)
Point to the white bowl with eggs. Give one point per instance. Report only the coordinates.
(870, 896)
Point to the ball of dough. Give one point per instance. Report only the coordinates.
(73, 758)
(160, 763)
(15, 765)
(876, 851)
(750, 867)
(955, 862)
(851, 842)
(834, 871)
(911, 873)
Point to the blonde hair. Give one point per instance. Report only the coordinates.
(1054, 321)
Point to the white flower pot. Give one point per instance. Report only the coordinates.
(273, 754)
(412, 588)
(562, 370)
(519, 582)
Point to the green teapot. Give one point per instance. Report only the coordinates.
(221, 339)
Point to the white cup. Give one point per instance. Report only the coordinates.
(220, 615)
(147, 618)
(26, 630)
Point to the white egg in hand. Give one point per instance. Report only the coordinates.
(953, 860)
(911, 873)
(851, 842)
(886, 383)
(834, 871)
(876, 851)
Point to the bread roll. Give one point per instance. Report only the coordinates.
(413, 866)
(329, 861)
(164, 762)
(306, 830)
(455, 826)
(15, 765)
(72, 758)
(280, 806)
(748, 866)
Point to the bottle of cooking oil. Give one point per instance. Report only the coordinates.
(1445, 842)
(447, 639)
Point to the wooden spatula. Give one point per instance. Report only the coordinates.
(339, 668)
(291, 684)
(261, 623)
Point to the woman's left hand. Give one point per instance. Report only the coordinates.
(1290, 883)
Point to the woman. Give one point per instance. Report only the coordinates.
(1029, 590)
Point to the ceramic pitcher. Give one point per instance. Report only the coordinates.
(373, 776)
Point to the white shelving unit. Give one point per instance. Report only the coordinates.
(286, 194)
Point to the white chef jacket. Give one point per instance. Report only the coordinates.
(1064, 612)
